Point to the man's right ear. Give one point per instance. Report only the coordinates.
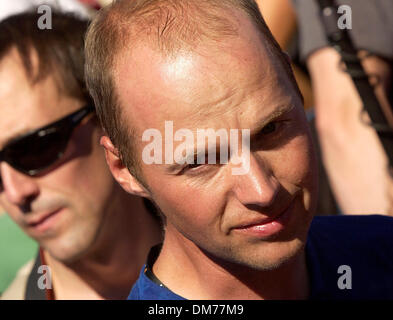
(120, 172)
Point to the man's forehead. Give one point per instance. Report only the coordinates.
(197, 84)
(25, 106)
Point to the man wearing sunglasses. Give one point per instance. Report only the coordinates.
(54, 182)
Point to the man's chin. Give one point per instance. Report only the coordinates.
(266, 257)
(64, 253)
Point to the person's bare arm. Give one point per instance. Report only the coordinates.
(280, 17)
(390, 193)
(352, 153)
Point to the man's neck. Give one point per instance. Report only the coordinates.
(111, 267)
(191, 274)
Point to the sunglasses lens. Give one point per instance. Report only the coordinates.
(38, 152)
(41, 149)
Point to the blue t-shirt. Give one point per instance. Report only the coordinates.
(335, 243)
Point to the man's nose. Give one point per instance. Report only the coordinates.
(19, 188)
(257, 187)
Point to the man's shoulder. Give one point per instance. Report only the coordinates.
(146, 289)
(359, 246)
(356, 227)
(356, 235)
(17, 289)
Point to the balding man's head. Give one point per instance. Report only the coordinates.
(177, 70)
(169, 27)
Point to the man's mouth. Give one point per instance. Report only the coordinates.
(44, 221)
(265, 227)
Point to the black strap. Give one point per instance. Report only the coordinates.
(152, 257)
(341, 41)
(32, 290)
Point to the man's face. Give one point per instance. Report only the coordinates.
(239, 85)
(64, 207)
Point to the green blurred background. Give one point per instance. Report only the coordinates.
(16, 249)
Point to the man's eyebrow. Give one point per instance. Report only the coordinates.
(280, 111)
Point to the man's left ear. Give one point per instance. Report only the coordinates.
(120, 172)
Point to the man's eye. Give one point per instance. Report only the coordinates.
(190, 168)
(193, 166)
(271, 135)
(269, 128)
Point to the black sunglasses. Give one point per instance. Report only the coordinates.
(38, 150)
